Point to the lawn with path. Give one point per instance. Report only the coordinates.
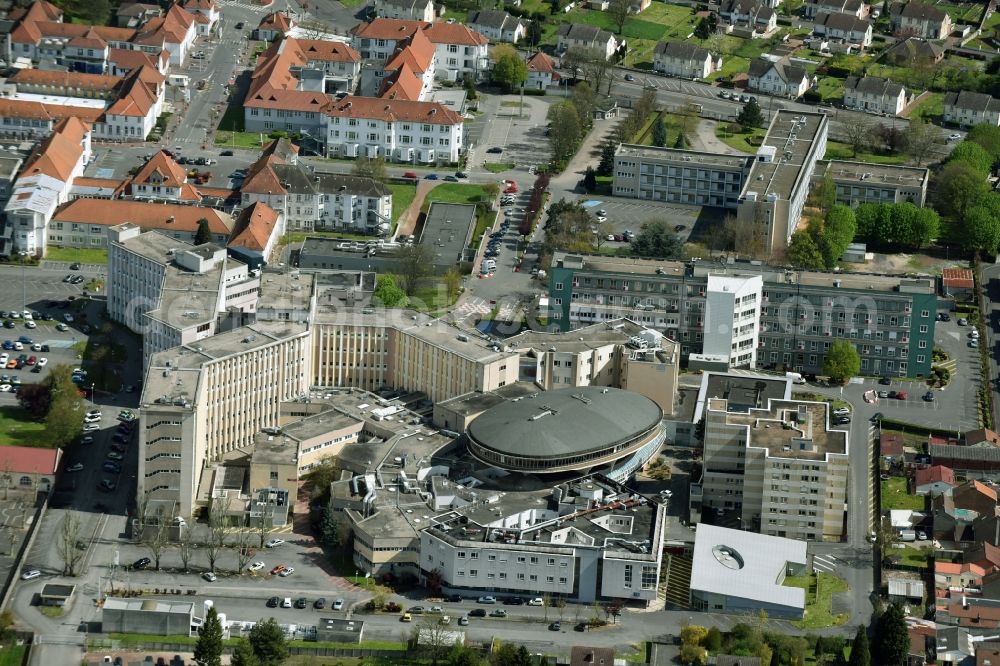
(820, 589)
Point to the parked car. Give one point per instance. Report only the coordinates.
(629, 78)
(487, 600)
(902, 395)
(929, 396)
(495, 150)
(30, 574)
(477, 612)
(498, 612)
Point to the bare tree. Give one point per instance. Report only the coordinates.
(266, 522)
(186, 544)
(8, 478)
(432, 637)
(561, 605)
(604, 229)
(243, 550)
(619, 11)
(414, 265)
(156, 538)
(919, 142)
(216, 530)
(546, 603)
(592, 63)
(858, 134)
(141, 509)
(11, 540)
(69, 534)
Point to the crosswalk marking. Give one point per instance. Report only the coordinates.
(826, 563)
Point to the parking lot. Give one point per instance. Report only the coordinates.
(519, 132)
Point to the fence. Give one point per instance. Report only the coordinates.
(98, 644)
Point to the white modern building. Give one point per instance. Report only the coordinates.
(732, 338)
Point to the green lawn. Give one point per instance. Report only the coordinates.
(831, 89)
(931, 106)
(914, 557)
(498, 167)
(240, 139)
(731, 65)
(17, 429)
(457, 193)
(841, 151)
(739, 141)
(894, 496)
(402, 197)
(13, 655)
(819, 595)
(83, 255)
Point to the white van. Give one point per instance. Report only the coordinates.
(489, 265)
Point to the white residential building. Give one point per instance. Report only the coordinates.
(496, 25)
(874, 95)
(969, 108)
(684, 60)
(846, 30)
(414, 10)
(582, 36)
(732, 315)
(402, 131)
(541, 71)
(779, 76)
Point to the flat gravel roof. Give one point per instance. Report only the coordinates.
(565, 422)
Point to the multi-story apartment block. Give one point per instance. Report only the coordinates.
(175, 293)
(372, 350)
(767, 192)
(680, 176)
(782, 470)
(874, 95)
(683, 60)
(969, 108)
(890, 320)
(190, 417)
(458, 49)
(919, 19)
(586, 540)
(44, 185)
(863, 182)
(119, 109)
(400, 130)
(778, 76)
(843, 32)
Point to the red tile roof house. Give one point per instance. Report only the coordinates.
(29, 468)
(934, 480)
(958, 283)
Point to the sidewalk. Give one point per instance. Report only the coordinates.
(704, 139)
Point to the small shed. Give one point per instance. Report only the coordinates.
(905, 590)
(339, 630)
(958, 283)
(54, 594)
(856, 253)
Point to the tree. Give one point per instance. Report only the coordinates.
(329, 528)
(432, 637)
(266, 522)
(35, 400)
(452, 283)
(243, 654)
(982, 230)
(959, 188)
(660, 132)
(415, 264)
(842, 361)
(681, 142)
(860, 655)
(607, 165)
(592, 63)
(604, 229)
(208, 649)
(584, 99)
(859, 135)
(370, 168)
(656, 239)
(388, 293)
(509, 70)
(975, 155)
(590, 180)
(693, 634)
(838, 232)
(987, 136)
(750, 115)
(693, 654)
(565, 133)
(243, 550)
(204, 233)
(217, 511)
(268, 643)
(713, 640)
(925, 228)
(702, 30)
(461, 655)
(823, 194)
(63, 414)
(533, 35)
(69, 535)
(186, 544)
(891, 642)
(619, 11)
(156, 538)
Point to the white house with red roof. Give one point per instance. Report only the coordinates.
(175, 31)
(30, 468)
(43, 185)
(398, 130)
(541, 72)
(206, 15)
(459, 49)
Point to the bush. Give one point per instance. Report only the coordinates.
(812, 97)
(534, 92)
